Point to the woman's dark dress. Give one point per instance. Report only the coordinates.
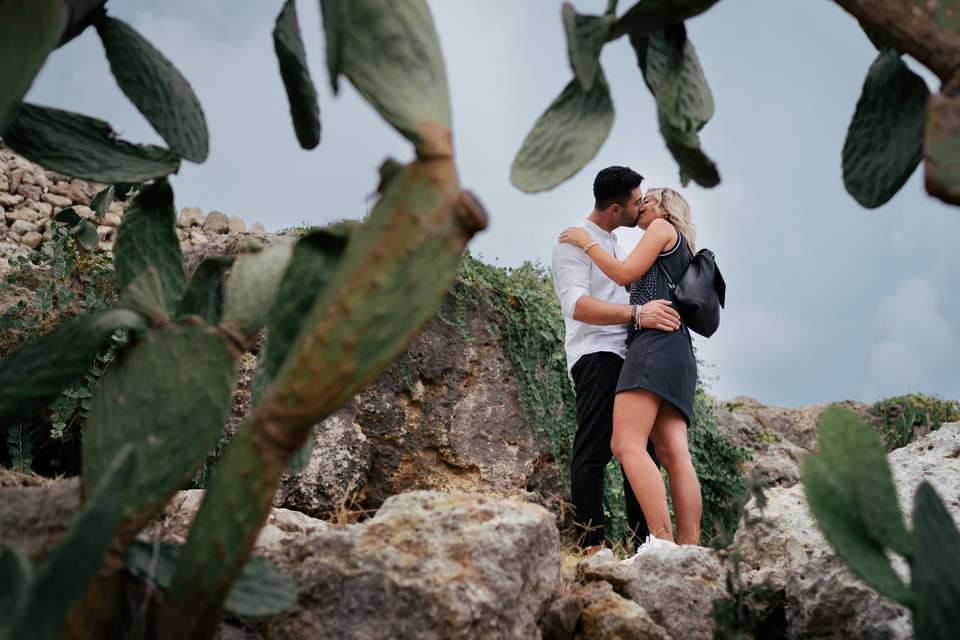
(661, 362)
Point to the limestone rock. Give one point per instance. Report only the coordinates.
(22, 226)
(774, 460)
(34, 517)
(798, 426)
(9, 199)
(111, 219)
(190, 217)
(57, 200)
(216, 222)
(676, 586)
(336, 476)
(787, 550)
(428, 565)
(608, 616)
(105, 233)
(32, 239)
(197, 237)
(256, 227)
(236, 225)
(31, 191)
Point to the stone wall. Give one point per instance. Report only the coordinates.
(30, 196)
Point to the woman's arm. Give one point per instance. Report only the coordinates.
(659, 236)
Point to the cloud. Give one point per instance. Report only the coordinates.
(916, 348)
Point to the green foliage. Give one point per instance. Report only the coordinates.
(301, 93)
(261, 589)
(158, 90)
(717, 462)
(850, 490)
(20, 446)
(567, 136)
(252, 286)
(66, 280)
(902, 417)
(885, 140)
(46, 597)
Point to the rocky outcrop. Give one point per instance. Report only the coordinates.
(785, 549)
(428, 565)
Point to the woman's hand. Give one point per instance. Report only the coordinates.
(576, 236)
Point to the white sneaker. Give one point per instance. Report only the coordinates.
(650, 544)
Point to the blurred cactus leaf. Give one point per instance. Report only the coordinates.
(147, 238)
(261, 589)
(315, 256)
(942, 148)
(158, 90)
(301, 93)
(29, 31)
(394, 272)
(252, 286)
(837, 518)
(885, 139)
(831, 481)
(565, 138)
(67, 572)
(388, 170)
(649, 16)
(32, 377)
(87, 235)
(845, 437)
(586, 36)
(672, 72)
(204, 293)
(145, 296)
(67, 216)
(333, 18)
(936, 568)
(101, 202)
(84, 147)
(173, 422)
(16, 576)
(391, 54)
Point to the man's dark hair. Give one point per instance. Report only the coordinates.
(613, 185)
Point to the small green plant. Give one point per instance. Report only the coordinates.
(850, 490)
(902, 417)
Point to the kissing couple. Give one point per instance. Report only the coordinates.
(631, 359)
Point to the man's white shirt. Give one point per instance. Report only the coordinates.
(574, 276)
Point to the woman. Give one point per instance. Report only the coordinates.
(659, 377)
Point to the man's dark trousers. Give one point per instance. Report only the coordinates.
(595, 381)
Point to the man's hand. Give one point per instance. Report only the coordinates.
(659, 314)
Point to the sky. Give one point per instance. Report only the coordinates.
(826, 300)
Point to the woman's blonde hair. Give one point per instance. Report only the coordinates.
(677, 213)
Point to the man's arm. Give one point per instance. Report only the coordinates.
(571, 279)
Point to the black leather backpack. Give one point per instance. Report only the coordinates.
(700, 293)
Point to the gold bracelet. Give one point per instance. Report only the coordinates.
(587, 248)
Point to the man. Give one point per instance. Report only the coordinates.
(596, 312)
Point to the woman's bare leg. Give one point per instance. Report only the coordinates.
(669, 435)
(634, 413)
